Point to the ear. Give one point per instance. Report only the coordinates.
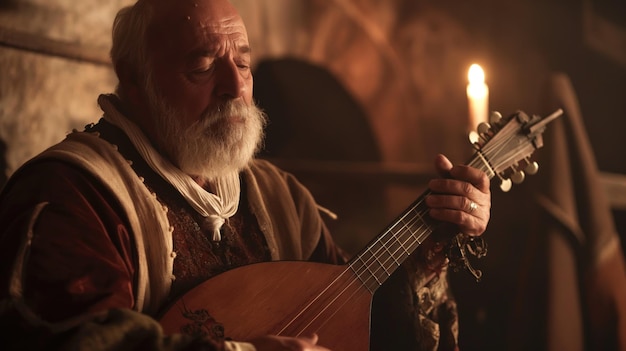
(129, 84)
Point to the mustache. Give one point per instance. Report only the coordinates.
(226, 110)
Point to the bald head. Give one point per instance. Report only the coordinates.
(188, 24)
(168, 12)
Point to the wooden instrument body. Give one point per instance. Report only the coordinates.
(289, 298)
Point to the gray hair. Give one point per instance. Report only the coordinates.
(129, 46)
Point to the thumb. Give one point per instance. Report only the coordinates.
(443, 165)
(312, 338)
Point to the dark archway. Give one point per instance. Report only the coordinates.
(313, 118)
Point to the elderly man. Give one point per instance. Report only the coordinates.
(102, 231)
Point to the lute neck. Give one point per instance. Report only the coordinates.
(383, 255)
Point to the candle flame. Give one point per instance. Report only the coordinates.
(475, 74)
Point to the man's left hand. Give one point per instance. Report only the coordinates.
(462, 196)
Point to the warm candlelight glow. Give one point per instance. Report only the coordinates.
(477, 96)
(476, 75)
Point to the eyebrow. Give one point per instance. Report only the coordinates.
(244, 49)
(203, 51)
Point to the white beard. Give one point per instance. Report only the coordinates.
(214, 145)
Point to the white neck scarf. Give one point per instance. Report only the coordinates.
(215, 208)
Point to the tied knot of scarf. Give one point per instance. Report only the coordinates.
(214, 223)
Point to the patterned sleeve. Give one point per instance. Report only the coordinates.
(415, 309)
(66, 269)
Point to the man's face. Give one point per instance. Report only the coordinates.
(200, 56)
(199, 88)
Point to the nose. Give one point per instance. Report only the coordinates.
(229, 81)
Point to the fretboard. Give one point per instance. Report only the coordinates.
(383, 255)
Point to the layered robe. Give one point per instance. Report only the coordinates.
(94, 244)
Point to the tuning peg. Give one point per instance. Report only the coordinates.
(532, 168)
(495, 117)
(474, 138)
(483, 128)
(522, 117)
(505, 185)
(518, 176)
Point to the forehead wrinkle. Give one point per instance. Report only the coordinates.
(228, 26)
(191, 29)
(222, 36)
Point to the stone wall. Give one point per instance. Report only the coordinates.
(43, 97)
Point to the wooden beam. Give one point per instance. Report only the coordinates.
(36, 43)
(413, 173)
(383, 172)
(615, 187)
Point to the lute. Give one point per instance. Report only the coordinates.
(294, 298)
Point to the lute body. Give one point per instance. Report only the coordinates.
(280, 298)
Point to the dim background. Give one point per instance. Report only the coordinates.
(361, 96)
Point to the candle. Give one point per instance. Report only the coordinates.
(477, 96)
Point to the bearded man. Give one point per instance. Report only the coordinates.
(102, 231)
